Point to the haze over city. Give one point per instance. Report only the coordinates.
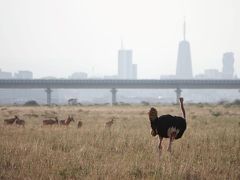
(57, 38)
(120, 89)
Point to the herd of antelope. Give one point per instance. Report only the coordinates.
(16, 120)
(65, 122)
(47, 122)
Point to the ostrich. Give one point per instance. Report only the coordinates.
(167, 126)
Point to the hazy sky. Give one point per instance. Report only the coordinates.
(59, 37)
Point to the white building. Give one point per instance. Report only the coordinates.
(134, 71)
(125, 64)
(227, 70)
(228, 63)
(78, 75)
(210, 74)
(5, 75)
(126, 69)
(184, 61)
(23, 75)
(111, 77)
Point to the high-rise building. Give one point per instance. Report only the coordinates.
(126, 70)
(228, 63)
(184, 62)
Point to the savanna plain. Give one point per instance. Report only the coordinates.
(209, 148)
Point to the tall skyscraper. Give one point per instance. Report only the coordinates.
(124, 64)
(126, 70)
(228, 62)
(184, 62)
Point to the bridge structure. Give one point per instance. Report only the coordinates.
(178, 85)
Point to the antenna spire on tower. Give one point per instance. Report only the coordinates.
(122, 47)
(184, 30)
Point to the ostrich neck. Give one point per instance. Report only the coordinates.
(154, 124)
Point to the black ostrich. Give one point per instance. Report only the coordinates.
(167, 126)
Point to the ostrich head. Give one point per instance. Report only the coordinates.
(152, 114)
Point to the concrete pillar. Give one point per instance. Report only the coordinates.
(114, 96)
(48, 91)
(178, 94)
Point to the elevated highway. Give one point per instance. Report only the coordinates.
(113, 85)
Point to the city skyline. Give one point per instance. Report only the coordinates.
(58, 38)
(127, 70)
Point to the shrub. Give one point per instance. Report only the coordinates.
(236, 102)
(145, 103)
(31, 103)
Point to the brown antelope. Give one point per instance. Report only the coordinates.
(79, 124)
(50, 121)
(20, 122)
(109, 123)
(67, 121)
(10, 121)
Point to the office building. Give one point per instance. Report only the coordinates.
(126, 69)
(78, 75)
(23, 75)
(5, 75)
(228, 63)
(184, 62)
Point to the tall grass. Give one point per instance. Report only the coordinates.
(209, 149)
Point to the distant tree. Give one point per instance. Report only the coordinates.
(145, 103)
(72, 101)
(31, 103)
(236, 102)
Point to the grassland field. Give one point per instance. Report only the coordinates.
(209, 148)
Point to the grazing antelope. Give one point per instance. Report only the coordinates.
(79, 124)
(167, 126)
(109, 123)
(20, 122)
(67, 121)
(50, 121)
(10, 121)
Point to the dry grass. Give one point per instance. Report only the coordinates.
(209, 149)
